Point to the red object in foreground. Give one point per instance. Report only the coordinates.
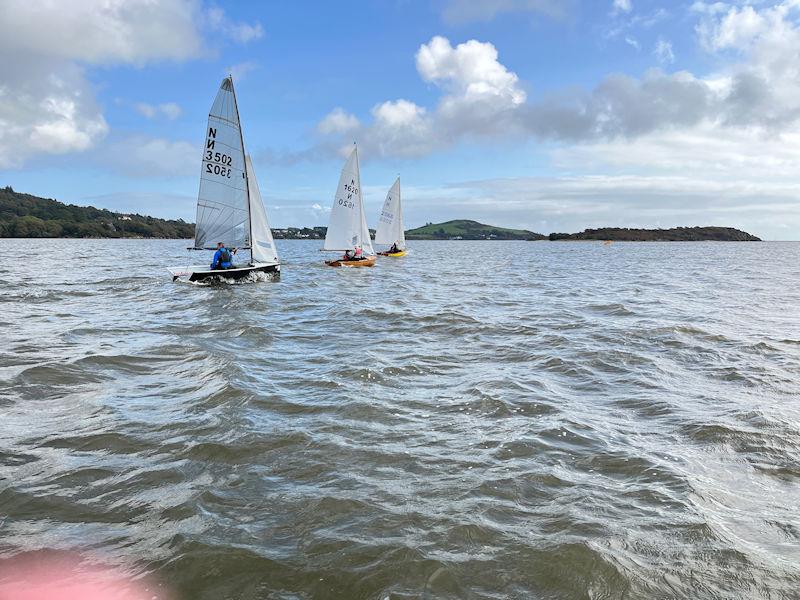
(62, 576)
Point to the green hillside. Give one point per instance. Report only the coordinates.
(23, 215)
(469, 230)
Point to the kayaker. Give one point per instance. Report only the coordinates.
(223, 258)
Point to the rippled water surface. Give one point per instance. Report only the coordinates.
(476, 420)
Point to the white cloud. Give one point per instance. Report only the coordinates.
(240, 70)
(465, 11)
(45, 111)
(633, 42)
(238, 32)
(101, 31)
(469, 72)
(663, 51)
(400, 113)
(764, 87)
(63, 132)
(47, 105)
(702, 150)
(148, 110)
(479, 93)
(399, 127)
(738, 28)
(622, 6)
(319, 211)
(143, 156)
(628, 21)
(170, 110)
(482, 97)
(338, 121)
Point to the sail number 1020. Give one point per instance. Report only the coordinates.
(223, 163)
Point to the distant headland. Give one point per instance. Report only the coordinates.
(24, 216)
(676, 234)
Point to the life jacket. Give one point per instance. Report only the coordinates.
(359, 253)
(224, 256)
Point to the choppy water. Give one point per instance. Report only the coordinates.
(477, 420)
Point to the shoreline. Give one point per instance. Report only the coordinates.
(430, 240)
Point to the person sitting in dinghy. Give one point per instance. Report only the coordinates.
(356, 254)
(393, 249)
(223, 258)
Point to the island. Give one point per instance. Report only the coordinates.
(676, 234)
(27, 216)
(462, 229)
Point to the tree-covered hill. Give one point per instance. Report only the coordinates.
(676, 234)
(469, 230)
(24, 215)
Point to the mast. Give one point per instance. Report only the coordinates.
(362, 222)
(400, 212)
(360, 194)
(244, 169)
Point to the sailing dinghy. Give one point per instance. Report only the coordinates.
(229, 205)
(390, 224)
(347, 229)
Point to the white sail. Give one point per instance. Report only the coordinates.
(222, 203)
(390, 224)
(347, 227)
(262, 243)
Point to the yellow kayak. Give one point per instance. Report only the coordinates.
(394, 254)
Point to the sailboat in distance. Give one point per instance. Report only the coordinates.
(229, 205)
(347, 228)
(390, 224)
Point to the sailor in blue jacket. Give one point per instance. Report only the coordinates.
(223, 258)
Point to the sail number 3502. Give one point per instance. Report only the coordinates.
(220, 168)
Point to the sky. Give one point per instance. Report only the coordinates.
(548, 115)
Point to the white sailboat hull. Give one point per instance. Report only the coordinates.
(203, 272)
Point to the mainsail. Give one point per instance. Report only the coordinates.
(348, 223)
(263, 246)
(222, 203)
(390, 224)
